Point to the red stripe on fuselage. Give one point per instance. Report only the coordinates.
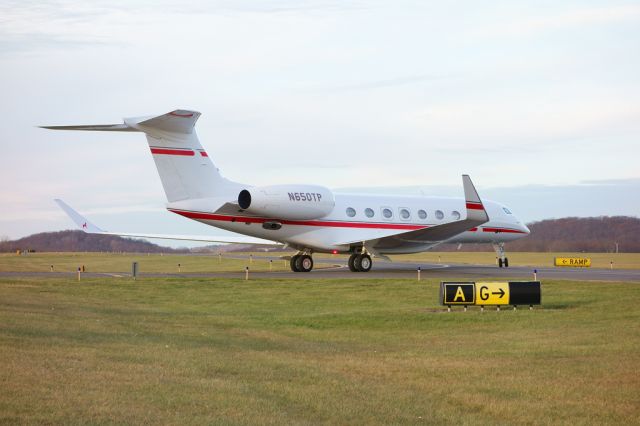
(166, 151)
(336, 224)
(325, 223)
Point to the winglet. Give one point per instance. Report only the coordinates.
(475, 208)
(79, 220)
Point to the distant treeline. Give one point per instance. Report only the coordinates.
(576, 234)
(81, 241)
(591, 234)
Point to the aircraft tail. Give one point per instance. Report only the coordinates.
(185, 168)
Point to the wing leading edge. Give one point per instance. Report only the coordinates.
(85, 225)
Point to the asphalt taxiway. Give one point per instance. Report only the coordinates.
(336, 268)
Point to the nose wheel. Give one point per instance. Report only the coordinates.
(360, 262)
(503, 261)
(301, 263)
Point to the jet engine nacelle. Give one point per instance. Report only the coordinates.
(297, 202)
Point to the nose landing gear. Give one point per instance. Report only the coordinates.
(503, 261)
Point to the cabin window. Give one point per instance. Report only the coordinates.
(439, 215)
(405, 214)
(455, 214)
(422, 214)
(351, 212)
(387, 213)
(506, 210)
(368, 212)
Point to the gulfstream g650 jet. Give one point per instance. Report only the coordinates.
(308, 218)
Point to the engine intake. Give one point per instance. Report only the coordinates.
(297, 202)
(244, 199)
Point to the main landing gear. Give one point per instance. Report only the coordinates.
(301, 263)
(360, 262)
(503, 261)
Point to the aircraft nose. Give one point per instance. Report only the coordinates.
(525, 229)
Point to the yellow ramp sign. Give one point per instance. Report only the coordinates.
(573, 262)
(492, 293)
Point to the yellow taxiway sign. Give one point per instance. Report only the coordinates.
(573, 262)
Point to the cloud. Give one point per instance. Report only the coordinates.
(573, 18)
(377, 84)
(512, 122)
(29, 42)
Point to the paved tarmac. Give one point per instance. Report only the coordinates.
(328, 268)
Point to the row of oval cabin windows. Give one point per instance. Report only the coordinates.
(405, 214)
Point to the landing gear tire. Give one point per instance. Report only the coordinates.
(363, 263)
(304, 263)
(360, 263)
(351, 263)
(293, 263)
(501, 255)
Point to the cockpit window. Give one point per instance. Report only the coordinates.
(506, 210)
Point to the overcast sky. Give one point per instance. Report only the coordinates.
(529, 98)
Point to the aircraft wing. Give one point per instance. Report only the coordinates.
(433, 235)
(85, 225)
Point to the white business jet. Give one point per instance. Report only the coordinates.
(308, 218)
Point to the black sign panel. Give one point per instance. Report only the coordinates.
(524, 293)
(458, 293)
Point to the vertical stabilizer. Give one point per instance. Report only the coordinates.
(185, 168)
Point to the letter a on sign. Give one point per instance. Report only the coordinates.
(457, 293)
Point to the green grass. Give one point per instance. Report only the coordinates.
(221, 351)
(111, 262)
(598, 260)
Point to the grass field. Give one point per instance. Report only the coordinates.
(221, 351)
(109, 262)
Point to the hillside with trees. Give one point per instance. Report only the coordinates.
(73, 241)
(577, 234)
(590, 234)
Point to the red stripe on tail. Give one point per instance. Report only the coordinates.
(165, 151)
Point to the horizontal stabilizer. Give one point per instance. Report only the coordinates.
(177, 121)
(95, 128)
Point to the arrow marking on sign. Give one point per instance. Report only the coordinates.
(501, 293)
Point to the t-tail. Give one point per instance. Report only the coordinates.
(185, 169)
